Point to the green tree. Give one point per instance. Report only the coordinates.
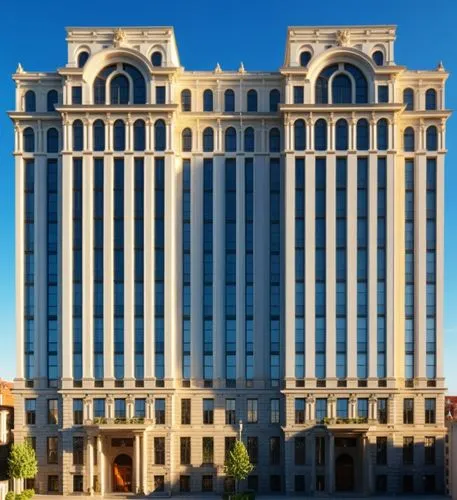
(238, 464)
(22, 462)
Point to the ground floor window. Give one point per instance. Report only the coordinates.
(320, 482)
(253, 483)
(159, 483)
(275, 483)
(381, 483)
(184, 483)
(78, 483)
(429, 483)
(30, 484)
(300, 483)
(229, 484)
(408, 483)
(207, 483)
(53, 483)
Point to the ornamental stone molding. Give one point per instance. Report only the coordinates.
(343, 38)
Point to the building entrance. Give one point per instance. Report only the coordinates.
(344, 473)
(122, 474)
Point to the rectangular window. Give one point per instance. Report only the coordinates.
(52, 449)
(230, 411)
(208, 450)
(362, 408)
(185, 450)
(159, 411)
(298, 94)
(207, 483)
(300, 450)
(99, 408)
(184, 484)
(342, 405)
(76, 95)
(78, 411)
(78, 483)
(160, 94)
(408, 411)
(185, 411)
(321, 409)
(299, 483)
(119, 409)
(159, 450)
(53, 484)
(381, 450)
(408, 450)
(252, 411)
(429, 450)
(300, 405)
(208, 411)
(159, 483)
(274, 411)
(275, 450)
(78, 450)
(320, 450)
(30, 411)
(140, 408)
(430, 413)
(383, 93)
(229, 443)
(253, 448)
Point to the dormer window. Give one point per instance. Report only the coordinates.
(82, 58)
(378, 58)
(156, 59)
(305, 57)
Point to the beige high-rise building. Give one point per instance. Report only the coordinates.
(203, 254)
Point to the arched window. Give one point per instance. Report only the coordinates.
(363, 135)
(320, 135)
(299, 135)
(139, 135)
(408, 139)
(229, 100)
(275, 140)
(208, 140)
(378, 58)
(431, 138)
(119, 135)
(100, 84)
(408, 99)
(382, 133)
(361, 84)
(187, 140)
(119, 90)
(29, 140)
(305, 57)
(156, 59)
(342, 135)
(322, 84)
(98, 130)
(186, 100)
(430, 99)
(230, 140)
(249, 140)
(52, 99)
(160, 135)
(252, 100)
(208, 100)
(30, 101)
(341, 89)
(275, 97)
(82, 58)
(139, 84)
(52, 140)
(78, 135)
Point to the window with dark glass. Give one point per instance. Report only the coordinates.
(78, 483)
(408, 411)
(230, 411)
(430, 345)
(159, 451)
(30, 411)
(275, 97)
(185, 450)
(252, 408)
(98, 130)
(99, 407)
(208, 450)
(28, 136)
(381, 450)
(139, 268)
(52, 140)
(119, 90)
(76, 94)
(381, 269)
(78, 414)
(159, 135)
(319, 448)
(30, 101)
(77, 268)
(252, 447)
(78, 450)
(363, 135)
(207, 270)
(408, 450)
(378, 58)
(184, 483)
(305, 57)
(320, 135)
(51, 100)
(341, 85)
(156, 59)
(53, 483)
(208, 100)
(382, 410)
(408, 139)
(341, 89)
(342, 135)
(299, 135)
(53, 411)
(207, 483)
(431, 138)
(186, 270)
(274, 411)
(299, 94)
(300, 451)
(300, 405)
(159, 411)
(186, 100)
(160, 94)
(409, 270)
(429, 450)
(321, 409)
(229, 442)
(252, 100)
(382, 130)
(249, 141)
(119, 135)
(430, 410)
(187, 140)
(408, 99)
(139, 135)
(342, 408)
(120, 409)
(52, 450)
(78, 135)
(299, 267)
(229, 100)
(383, 93)
(208, 411)
(274, 140)
(230, 140)
(82, 58)
(430, 99)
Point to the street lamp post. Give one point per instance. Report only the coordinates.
(240, 429)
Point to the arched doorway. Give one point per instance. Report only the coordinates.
(122, 474)
(344, 473)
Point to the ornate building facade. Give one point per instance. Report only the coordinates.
(200, 248)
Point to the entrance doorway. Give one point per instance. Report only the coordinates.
(344, 473)
(122, 474)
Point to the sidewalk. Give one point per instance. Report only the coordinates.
(259, 497)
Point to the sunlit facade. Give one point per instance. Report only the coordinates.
(196, 248)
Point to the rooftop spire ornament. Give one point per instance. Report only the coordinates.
(241, 68)
(19, 68)
(218, 68)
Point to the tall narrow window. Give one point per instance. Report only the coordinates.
(139, 267)
(119, 90)
(208, 140)
(186, 100)
(118, 269)
(159, 135)
(274, 140)
(77, 268)
(408, 99)
(252, 100)
(229, 101)
(98, 130)
(378, 58)
(363, 135)
(139, 135)
(52, 273)
(52, 98)
(341, 89)
(299, 135)
(342, 135)
(381, 270)
(382, 130)
(320, 135)
(431, 138)
(100, 84)
(275, 98)
(305, 57)
(187, 140)
(230, 140)
(28, 136)
(208, 100)
(320, 269)
(159, 271)
(430, 99)
(52, 140)
(409, 270)
(299, 268)
(431, 301)
(98, 200)
(82, 58)
(156, 59)
(29, 269)
(139, 83)
(186, 271)
(408, 139)
(341, 268)
(119, 135)
(362, 268)
(275, 270)
(208, 270)
(249, 266)
(249, 140)
(230, 271)
(78, 135)
(30, 101)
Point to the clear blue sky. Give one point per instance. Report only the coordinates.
(210, 31)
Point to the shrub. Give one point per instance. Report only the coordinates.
(28, 494)
(10, 496)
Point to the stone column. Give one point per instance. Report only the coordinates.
(101, 465)
(372, 265)
(144, 463)
(90, 465)
(330, 347)
(136, 454)
(331, 464)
